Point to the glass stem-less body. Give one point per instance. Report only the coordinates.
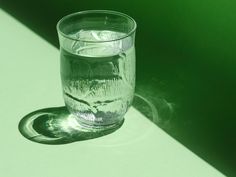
(98, 75)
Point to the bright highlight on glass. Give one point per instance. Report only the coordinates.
(97, 66)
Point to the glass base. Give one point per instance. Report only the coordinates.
(97, 127)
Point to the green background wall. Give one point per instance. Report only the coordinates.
(186, 61)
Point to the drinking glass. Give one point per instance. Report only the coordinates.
(97, 65)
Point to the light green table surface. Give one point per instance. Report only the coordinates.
(30, 80)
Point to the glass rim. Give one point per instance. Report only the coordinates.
(96, 11)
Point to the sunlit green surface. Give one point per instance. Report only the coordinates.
(30, 81)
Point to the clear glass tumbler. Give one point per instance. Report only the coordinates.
(97, 66)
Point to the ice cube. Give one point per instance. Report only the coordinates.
(96, 35)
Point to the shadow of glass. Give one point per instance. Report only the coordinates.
(157, 110)
(57, 126)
